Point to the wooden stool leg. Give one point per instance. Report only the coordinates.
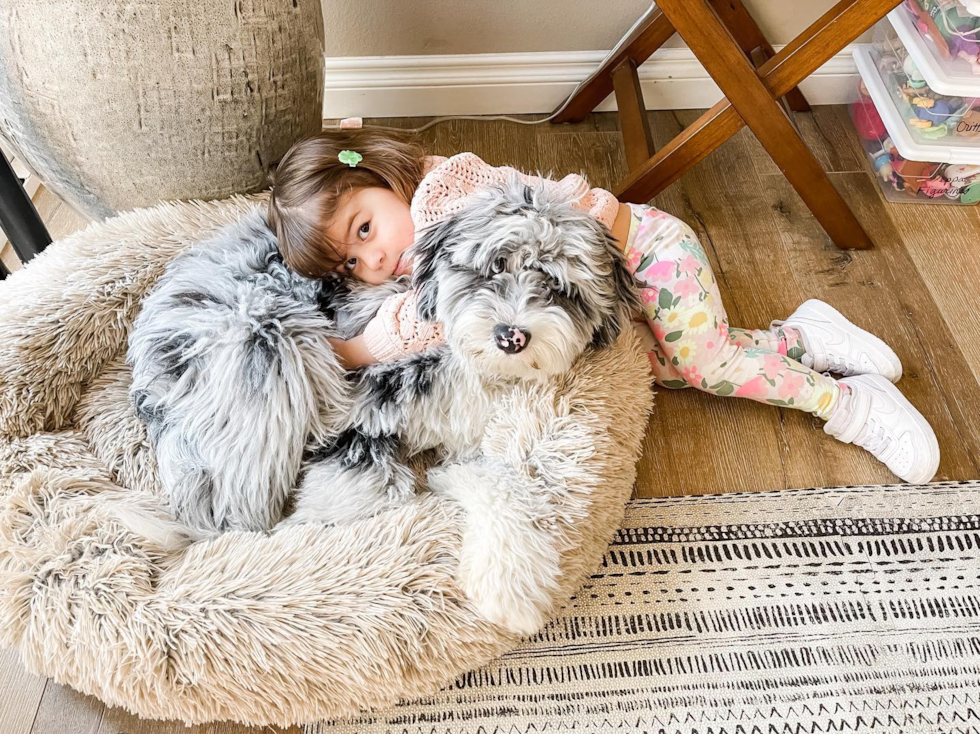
(813, 48)
(637, 139)
(735, 75)
(743, 28)
(758, 58)
(647, 38)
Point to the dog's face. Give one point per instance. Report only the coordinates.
(523, 283)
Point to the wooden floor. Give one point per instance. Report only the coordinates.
(919, 289)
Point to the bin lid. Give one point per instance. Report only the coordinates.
(907, 141)
(952, 77)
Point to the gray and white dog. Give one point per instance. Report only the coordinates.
(242, 395)
(523, 283)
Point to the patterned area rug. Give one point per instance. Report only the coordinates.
(815, 610)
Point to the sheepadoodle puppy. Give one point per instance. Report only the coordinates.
(523, 284)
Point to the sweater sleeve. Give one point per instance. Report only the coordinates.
(448, 184)
(397, 330)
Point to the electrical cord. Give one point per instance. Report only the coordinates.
(553, 115)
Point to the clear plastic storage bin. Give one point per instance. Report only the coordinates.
(936, 110)
(911, 167)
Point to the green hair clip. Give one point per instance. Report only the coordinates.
(350, 157)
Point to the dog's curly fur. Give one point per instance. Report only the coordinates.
(234, 377)
(512, 256)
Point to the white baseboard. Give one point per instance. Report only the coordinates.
(520, 83)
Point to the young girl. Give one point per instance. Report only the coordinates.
(352, 202)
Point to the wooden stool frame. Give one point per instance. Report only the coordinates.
(753, 78)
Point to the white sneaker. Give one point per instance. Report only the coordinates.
(834, 344)
(877, 417)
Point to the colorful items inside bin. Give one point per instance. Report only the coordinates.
(931, 115)
(952, 25)
(906, 180)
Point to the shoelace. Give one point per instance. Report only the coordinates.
(839, 363)
(877, 439)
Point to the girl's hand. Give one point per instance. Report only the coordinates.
(352, 354)
(621, 227)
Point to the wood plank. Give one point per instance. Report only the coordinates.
(499, 143)
(64, 710)
(954, 378)
(825, 134)
(885, 293)
(761, 287)
(945, 247)
(20, 692)
(599, 156)
(597, 122)
(60, 219)
(951, 386)
(866, 288)
(678, 155)
(8, 257)
(690, 430)
(745, 241)
(675, 459)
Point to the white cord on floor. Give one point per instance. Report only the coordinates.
(553, 115)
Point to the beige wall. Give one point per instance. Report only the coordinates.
(409, 27)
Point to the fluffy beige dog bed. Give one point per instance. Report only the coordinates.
(304, 624)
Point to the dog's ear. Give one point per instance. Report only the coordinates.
(625, 296)
(427, 250)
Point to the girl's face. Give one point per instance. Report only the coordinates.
(376, 226)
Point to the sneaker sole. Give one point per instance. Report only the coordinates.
(920, 421)
(828, 313)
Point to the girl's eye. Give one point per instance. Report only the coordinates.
(351, 263)
(364, 230)
(498, 266)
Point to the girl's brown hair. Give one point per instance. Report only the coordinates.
(310, 181)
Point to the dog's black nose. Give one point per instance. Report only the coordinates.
(510, 339)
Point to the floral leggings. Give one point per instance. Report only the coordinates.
(692, 344)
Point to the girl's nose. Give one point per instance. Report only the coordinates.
(374, 258)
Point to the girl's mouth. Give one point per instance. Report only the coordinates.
(403, 262)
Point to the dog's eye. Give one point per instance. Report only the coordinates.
(554, 282)
(499, 265)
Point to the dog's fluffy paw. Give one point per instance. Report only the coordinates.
(499, 598)
(508, 564)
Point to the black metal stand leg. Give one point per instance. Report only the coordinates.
(18, 217)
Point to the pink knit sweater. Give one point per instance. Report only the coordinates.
(444, 190)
